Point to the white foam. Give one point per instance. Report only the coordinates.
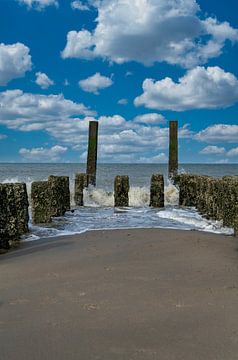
(139, 197)
(98, 197)
(194, 220)
(171, 194)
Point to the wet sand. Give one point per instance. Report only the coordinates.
(121, 295)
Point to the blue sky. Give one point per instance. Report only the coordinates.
(131, 65)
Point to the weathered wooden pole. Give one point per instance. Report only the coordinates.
(92, 152)
(173, 148)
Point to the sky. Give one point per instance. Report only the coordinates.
(131, 65)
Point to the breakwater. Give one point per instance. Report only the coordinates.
(213, 198)
(14, 216)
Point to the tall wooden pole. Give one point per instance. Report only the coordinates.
(173, 148)
(92, 152)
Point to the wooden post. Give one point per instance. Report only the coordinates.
(81, 181)
(121, 190)
(92, 152)
(41, 202)
(173, 148)
(157, 191)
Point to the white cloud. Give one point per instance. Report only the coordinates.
(152, 118)
(218, 133)
(15, 60)
(222, 161)
(95, 83)
(213, 150)
(43, 80)
(233, 152)
(67, 122)
(38, 4)
(160, 158)
(151, 31)
(28, 112)
(2, 136)
(122, 102)
(199, 88)
(43, 154)
(79, 45)
(78, 5)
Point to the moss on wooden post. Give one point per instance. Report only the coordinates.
(59, 194)
(81, 181)
(22, 204)
(92, 152)
(14, 215)
(188, 185)
(157, 191)
(173, 148)
(4, 241)
(12, 218)
(41, 202)
(230, 200)
(121, 191)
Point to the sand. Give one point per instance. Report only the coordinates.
(121, 295)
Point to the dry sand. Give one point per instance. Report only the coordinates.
(121, 295)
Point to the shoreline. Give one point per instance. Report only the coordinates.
(125, 229)
(143, 294)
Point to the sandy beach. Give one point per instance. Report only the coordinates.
(121, 295)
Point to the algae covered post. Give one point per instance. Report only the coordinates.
(121, 190)
(173, 148)
(80, 183)
(157, 191)
(92, 152)
(41, 202)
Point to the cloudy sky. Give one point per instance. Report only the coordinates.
(131, 65)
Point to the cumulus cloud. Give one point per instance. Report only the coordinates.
(28, 112)
(151, 118)
(199, 88)
(122, 102)
(78, 5)
(233, 152)
(160, 158)
(218, 133)
(149, 31)
(43, 80)
(38, 4)
(222, 161)
(43, 154)
(67, 122)
(95, 83)
(15, 61)
(213, 150)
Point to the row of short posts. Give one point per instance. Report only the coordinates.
(121, 190)
(14, 214)
(216, 199)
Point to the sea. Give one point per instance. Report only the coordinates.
(99, 213)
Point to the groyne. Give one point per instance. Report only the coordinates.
(215, 199)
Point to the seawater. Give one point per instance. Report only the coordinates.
(99, 213)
